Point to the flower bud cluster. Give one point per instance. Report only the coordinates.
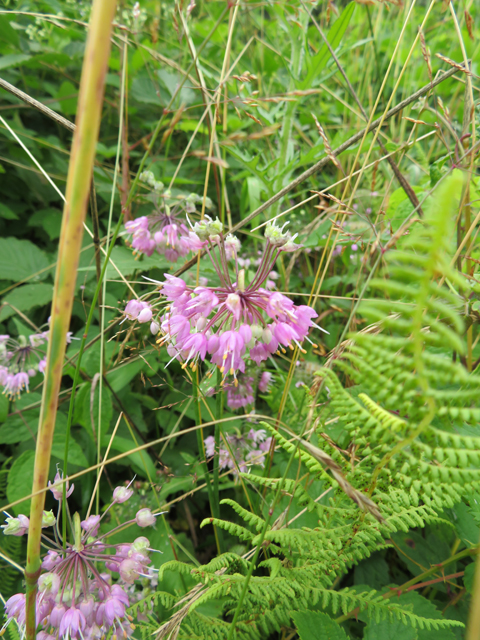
(242, 451)
(76, 599)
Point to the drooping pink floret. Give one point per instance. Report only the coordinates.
(122, 494)
(173, 287)
(264, 382)
(15, 607)
(145, 518)
(91, 524)
(138, 310)
(72, 622)
(241, 395)
(57, 487)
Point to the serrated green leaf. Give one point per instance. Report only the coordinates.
(20, 479)
(127, 263)
(25, 298)
(313, 625)
(468, 577)
(13, 60)
(20, 259)
(389, 630)
(50, 220)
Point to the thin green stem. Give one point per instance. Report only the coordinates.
(214, 506)
(261, 538)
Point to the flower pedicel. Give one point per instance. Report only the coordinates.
(75, 598)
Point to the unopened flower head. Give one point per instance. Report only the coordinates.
(122, 494)
(16, 526)
(280, 238)
(77, 597)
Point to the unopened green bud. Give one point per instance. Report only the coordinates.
(48, 519)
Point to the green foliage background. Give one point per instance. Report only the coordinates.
(373, 487)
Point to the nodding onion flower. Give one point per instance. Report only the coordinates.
(242, 450)
(77, 597)
(237, 320)
(20, 359)
(164, 230)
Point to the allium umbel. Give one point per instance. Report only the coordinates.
(75, 598)
(21, 359)
(235, 321)
(241, 451)
(164, 230)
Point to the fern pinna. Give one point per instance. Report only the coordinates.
(393, 447)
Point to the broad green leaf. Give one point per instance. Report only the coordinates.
(12, 60)
(122, 375)
(313, 625)
(469, 577)
(372, 571)
(7, 32)
(50, 220)
(5, 212)
(127, 263)
(467, 529)
(20, 259)
(140, 460)
(389, 630)
(319, 61)
(90, 408)
(3, 408)
(421, 551)
(26, 297)
(20, 428)
(75, 453)
(143, 90)
(67, 97)
(423, 607)
(20, 479)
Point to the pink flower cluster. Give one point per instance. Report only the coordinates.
(242, 394)
(20, 360)
(235, 321)
(242, 451)
(164, 233)
(164, 230)
(75, 599)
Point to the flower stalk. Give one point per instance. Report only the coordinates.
(77, 193)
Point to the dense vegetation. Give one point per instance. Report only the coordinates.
(314, 472)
